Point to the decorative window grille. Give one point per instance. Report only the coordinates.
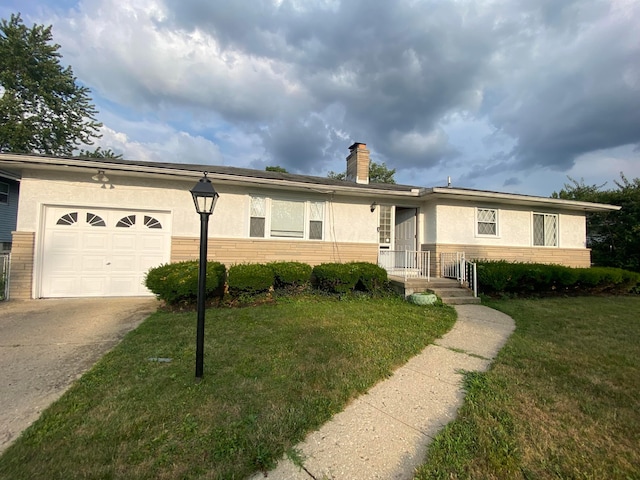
(384, 226)
(258, 217)
(151, 222)
(545, 230)
(316, 219)
(68, 219)
(126, 222)
(487, 221)
(95, 221)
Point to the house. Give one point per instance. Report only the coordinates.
(9, 186)
(93, 227)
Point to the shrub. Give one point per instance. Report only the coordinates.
(346, 277)
(290, 274)
(177, 283)
(336, 277)
(527, 278)
(372, 278)
(249, 279)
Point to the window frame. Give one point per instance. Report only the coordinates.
(4, 196)
(307, 219)
(497, 223)
(557, 228)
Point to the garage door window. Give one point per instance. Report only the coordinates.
(95, 221)
(68, 219)
(126, 222)
(152, 222)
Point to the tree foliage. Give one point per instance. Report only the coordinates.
(276, 168)
(98, 153)
(378, 173)
(614, 237)
(42, 108)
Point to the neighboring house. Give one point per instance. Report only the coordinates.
(93, 227)
(9, 187)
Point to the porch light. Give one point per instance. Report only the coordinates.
(204, 199)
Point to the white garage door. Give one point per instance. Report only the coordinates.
(88, 252)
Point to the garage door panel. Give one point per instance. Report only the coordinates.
(94, 241)
(89, 255)
(64, 241)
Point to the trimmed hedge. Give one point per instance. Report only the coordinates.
(177, 283)
(347, 277)
(501, 277)
(290, 274)
(249, 279)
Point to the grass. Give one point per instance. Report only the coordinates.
(272, 373)
(562, 400)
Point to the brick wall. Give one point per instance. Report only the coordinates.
(231, 251)
(570, 257)
(21, 270)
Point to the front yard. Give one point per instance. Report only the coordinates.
(561, 401)
(271, 374)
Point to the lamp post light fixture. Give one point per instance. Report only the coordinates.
(204, 198)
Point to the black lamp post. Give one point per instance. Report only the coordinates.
(204, 198)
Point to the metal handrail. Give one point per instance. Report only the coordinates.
(406, 263)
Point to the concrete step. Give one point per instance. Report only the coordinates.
(461, 300)
(452, 292)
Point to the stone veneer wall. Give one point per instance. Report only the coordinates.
(21, 269)
(569, 257)
(232, 251)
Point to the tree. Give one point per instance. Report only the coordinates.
(42, 109)
(614, 237)
(378, 173)
(98, 153)
(277, 168)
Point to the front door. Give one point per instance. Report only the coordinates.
(405, 231)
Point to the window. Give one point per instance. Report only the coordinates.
(487, 221)
(4, 193)
(384, 226)
(278, 218)
(95, 221)
(126, 222)
(545, 230)
(68, 219)
(151, 222)
(258, 215)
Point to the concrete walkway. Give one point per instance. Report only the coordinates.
(384, 434)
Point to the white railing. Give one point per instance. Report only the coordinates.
(456, 266)
(4, 276)
(406, 263)
(452, 265)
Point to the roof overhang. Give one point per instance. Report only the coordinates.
(515, 199)
(188, 172)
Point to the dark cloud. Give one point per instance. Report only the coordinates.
(482, 89)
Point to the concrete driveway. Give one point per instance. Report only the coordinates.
(45, 345)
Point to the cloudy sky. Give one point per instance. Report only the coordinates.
(507, 95)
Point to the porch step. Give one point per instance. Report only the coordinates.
(450, 291)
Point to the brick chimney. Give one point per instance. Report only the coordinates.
(358, 163)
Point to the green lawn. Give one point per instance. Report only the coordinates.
(562, 400)
(271, 374)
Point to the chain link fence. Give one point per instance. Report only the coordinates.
(4, 276)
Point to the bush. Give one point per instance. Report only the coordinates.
(290, 274)
(372, 278)
(249, 279)
(501, 277)
(346, 277)
(177, 283)
(336, 277)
